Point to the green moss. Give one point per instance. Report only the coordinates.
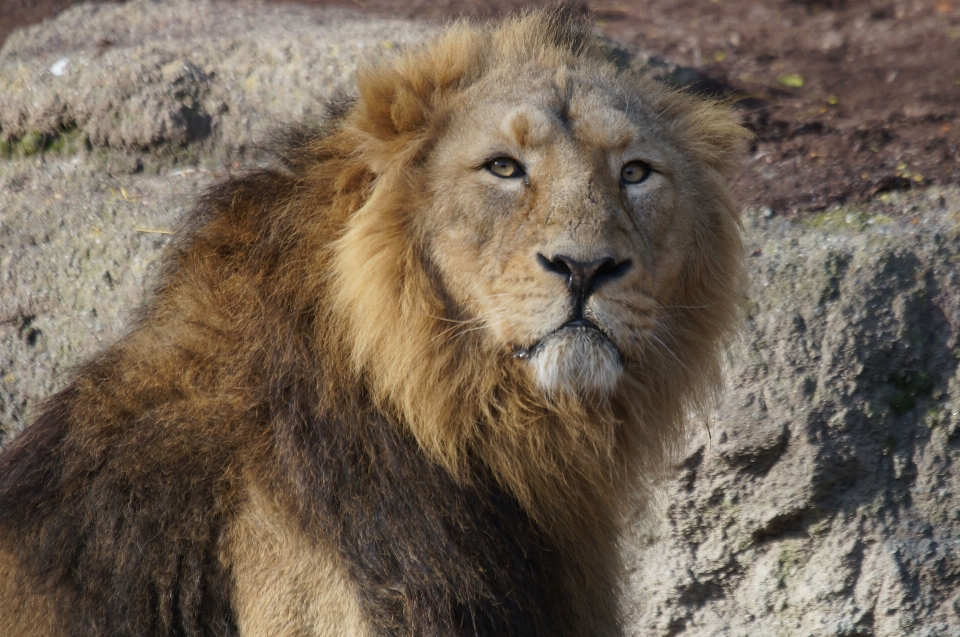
(68, 140)
(31, 143)
(844, 218)
(57, 146)
(788, 562)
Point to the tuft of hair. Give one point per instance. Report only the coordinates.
(582, 362)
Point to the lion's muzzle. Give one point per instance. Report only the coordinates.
(578, 357)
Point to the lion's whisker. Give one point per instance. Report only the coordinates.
(652, 334)
(475, 324)
(686, 307)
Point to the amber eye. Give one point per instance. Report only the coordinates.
(634, 172)
(505, 167)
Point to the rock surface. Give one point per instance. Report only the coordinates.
(182, 80)
(822, 499)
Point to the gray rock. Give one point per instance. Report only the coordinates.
(182, 80)
(820, 499)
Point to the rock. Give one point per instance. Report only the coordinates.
(181, 80)
(820, 499)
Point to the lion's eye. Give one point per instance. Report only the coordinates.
(634, 172)
(505, 167)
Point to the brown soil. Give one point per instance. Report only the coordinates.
(878, 108)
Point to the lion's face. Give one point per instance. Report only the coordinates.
(561, 218)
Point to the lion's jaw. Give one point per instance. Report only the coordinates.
(575, 360)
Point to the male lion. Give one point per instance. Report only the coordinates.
(407, 382)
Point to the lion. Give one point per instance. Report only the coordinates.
(412, 378)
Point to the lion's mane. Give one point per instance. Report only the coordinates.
(298, 340)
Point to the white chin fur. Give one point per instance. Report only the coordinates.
(576, 361)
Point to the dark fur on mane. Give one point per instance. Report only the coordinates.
(121, 521)
(124, 554)
(567, 26)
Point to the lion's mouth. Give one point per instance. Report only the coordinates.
(583, 322)
(580, 323)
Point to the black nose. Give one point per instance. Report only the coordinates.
(583, 279)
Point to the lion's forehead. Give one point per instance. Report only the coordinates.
(538, 109)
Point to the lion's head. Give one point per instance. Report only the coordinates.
(545, 253)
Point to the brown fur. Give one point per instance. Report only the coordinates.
(299, 584)
(351, 406)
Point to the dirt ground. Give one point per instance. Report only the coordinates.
(848, 99)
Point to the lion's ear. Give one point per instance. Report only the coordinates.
(387, 107)
(401, 96)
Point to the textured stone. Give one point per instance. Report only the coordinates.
(821, 497)
(184, 80)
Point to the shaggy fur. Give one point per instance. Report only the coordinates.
(356, 403)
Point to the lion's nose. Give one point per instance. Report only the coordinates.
(582, 278)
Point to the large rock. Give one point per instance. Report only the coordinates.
(822, 498)
(182, 80)
(162, 83)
